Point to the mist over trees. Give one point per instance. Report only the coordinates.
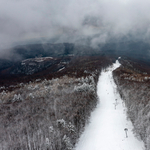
(46, 105)
(92, 23)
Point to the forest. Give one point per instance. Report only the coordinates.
(49, 113)
(133, 85)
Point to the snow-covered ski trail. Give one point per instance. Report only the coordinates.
(106, 128)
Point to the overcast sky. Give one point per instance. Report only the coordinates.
(22, 20)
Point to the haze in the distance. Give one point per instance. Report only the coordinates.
(71, 20)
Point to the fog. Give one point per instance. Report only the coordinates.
(23, 21)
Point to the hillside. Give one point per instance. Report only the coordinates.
(47, 95)
(49, 109)
(109, 127)
(133, 82)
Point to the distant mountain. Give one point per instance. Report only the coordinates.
(137, 50)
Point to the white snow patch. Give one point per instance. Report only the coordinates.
(38, 59)
(61, 69)
(108, 121)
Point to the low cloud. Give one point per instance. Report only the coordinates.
(72, 20)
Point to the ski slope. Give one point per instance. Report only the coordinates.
(106, 128)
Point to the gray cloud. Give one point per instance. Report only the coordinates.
(72, 20)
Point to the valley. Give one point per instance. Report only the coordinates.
(46, 101)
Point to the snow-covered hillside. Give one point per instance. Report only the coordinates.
(108, 122)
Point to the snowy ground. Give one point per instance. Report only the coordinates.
(108, 121)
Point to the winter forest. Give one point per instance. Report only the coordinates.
(50, 114)
(74, 75)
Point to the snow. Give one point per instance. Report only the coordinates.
(61, 69)
(106, 128)
(40, 59)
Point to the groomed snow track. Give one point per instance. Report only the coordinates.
(106, 130)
